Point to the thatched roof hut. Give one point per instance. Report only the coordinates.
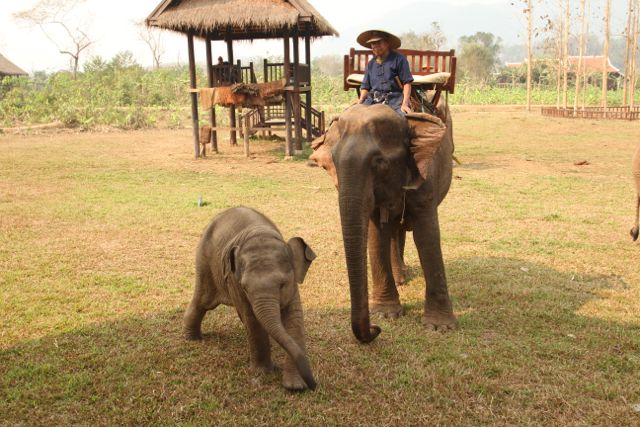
(8, 68)
(240, 19)
(232, 20)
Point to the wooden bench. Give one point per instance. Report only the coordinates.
(431, 69)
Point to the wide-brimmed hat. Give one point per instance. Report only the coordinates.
(370, 36)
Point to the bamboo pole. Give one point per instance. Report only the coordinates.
(565, 54)
(580, 57)
(212, 112)
(245, 133)
(529, 51)
(288, 147)
(194, 97)
(605, 54)
(232, 110)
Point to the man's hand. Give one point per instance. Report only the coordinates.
(406, 96)
(364, 93)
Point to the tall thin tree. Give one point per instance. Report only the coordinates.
(628, 53)
(605, 54)
(583, 19)
(529, 51)
(565, 53)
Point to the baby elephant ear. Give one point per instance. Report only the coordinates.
(301, 257)
(232, 261)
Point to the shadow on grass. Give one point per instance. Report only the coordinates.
(515, 318)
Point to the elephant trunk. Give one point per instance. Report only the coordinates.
(354, 217)
(268, 314)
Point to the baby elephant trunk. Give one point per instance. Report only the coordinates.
(269, 316)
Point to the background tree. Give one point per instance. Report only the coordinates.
(66, 32)
(479, 56)
(329, 65)
(434, 39)
(153, 39)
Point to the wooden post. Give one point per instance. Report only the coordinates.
(232, 109)
(605, 54)
(307, 57)
(245, 133)
(288, 149)
(194, 97)
(212, 113)
(529, 51)
(297, 116)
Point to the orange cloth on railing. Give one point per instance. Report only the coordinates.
(243, 95)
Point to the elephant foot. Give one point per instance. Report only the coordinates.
(387, 310)
(292, 381)
(635, 231)
(439, 320)
(192, 334)
(264, 368)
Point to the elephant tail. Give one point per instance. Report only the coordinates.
(635, 231)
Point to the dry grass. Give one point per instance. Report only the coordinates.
(98, 231)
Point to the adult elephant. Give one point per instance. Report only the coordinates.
(386, 185)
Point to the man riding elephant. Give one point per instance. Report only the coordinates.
(387, 79)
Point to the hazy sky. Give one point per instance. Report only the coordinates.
(111, 24)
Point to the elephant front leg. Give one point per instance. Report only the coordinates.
(397, 256)
(258, 339)
(293, 322)
(438, 310)
(385, 299)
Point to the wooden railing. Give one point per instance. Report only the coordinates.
(317, 119)
(613, 113)
(421, 63)
(274, 71)
(227, 74)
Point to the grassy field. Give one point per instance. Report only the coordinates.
(97, 241)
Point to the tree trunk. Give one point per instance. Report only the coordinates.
(529, 51)
(634, 54)
(605, 54)
(580, 56)
(565, 53)
(628, 52)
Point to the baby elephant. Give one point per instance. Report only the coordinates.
(243, 261)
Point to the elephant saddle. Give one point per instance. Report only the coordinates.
(426, 135)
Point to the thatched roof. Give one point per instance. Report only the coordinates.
(240, 19)
(8, 68)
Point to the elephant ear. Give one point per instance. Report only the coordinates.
(322, 150)
(301, 257)
(427, 133)
(232, 264)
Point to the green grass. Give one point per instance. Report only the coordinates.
(97, 240)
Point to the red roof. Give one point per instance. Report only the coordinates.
(592, 64)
